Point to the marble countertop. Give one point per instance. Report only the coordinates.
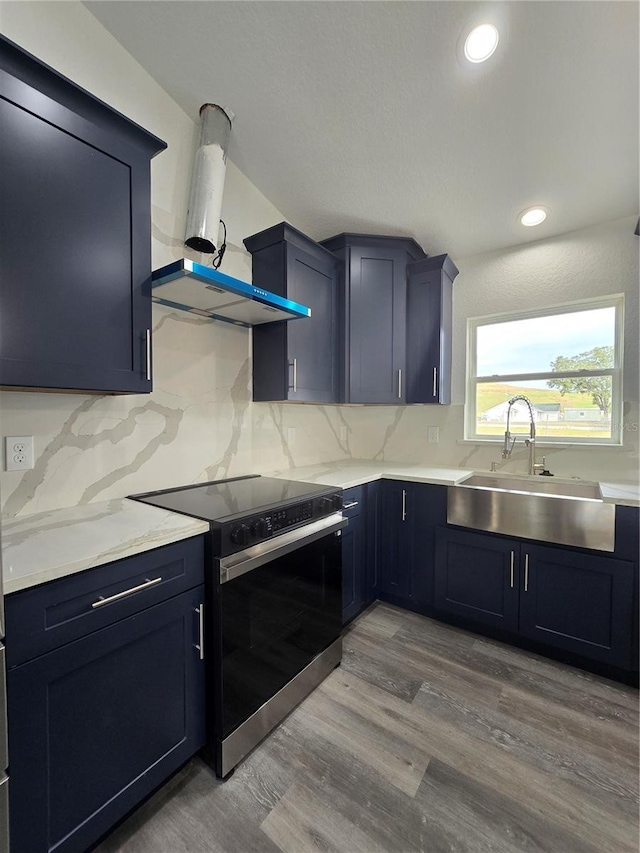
(347, 473)
(46, 546)
(49, 545)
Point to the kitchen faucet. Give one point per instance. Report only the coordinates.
(530, 442)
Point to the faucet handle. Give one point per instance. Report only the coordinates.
(545, 472)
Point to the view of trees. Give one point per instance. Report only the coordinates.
(599, 387)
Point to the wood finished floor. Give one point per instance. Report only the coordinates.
(427, 738)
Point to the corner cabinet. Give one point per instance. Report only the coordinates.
(75, 262)
(429, 322)
(104, 702)
(375, 296)
(296, 361)
(579, 602)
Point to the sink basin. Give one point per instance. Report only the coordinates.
(538, 486)
(534, 508)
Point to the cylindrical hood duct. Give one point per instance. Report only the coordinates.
(207, 184)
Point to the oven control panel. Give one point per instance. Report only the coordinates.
(249, 531)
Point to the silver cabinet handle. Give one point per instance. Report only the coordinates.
(350, 505)
(148, 355)
(404, 505)
(399, 384)
(200, 645)
(526, 572)
(512, 559)
(294, 371)
(435, 381)
(126, 592)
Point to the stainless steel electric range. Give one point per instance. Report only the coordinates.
(273, 580)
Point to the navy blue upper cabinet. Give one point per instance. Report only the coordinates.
(296, 360)
(374, 296)
(429, 315)
(75, 260)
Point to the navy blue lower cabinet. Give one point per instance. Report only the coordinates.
(579, 602)
(371, 587)
(408, 514)
(353, 543)
(477, 577)
(97, 724)
(395, 539)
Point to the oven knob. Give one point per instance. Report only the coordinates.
(337, 501)
(259, 528)
(240, 535)
(326, 505)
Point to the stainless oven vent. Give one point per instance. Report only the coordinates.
(207, 183)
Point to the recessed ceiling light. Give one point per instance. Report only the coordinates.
(532, 216)
(481, 43)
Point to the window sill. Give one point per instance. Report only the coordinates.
(541, 443)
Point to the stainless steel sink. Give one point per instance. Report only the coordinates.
(534, 508)
(536, 486)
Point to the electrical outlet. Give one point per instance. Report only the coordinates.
(18, 452)
(291, 436)
(343, 433)
(433, 435)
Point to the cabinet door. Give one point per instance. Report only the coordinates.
(371, 587)
(97, 724)
(429, 316)
(395, 540)
(353, 552)
(377, 325)
(579, 602)
(75, 261)
(312, 344)
(427, 510)
(476, 577)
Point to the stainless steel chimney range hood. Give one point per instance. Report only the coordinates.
(201, 290)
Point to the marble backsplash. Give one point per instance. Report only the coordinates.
(200, 424)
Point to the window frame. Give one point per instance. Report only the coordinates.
(615, 301)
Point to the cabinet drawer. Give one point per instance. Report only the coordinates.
(48, 616)
(352, 501)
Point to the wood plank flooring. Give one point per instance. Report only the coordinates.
(429, 739)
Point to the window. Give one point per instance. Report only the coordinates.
(567, 360)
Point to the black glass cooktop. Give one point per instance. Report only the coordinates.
(224, 500)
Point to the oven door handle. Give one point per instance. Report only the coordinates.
(264, 552)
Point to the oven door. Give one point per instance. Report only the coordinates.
(279, 606)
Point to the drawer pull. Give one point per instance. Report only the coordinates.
(125, 592)
(512, 560)
(526, 573)
(404, 505)
(350, 505)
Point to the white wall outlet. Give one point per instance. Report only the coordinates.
(291, 436)
(343, 433)
(18, 452)
(433, 435)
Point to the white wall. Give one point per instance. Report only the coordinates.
(200, 423)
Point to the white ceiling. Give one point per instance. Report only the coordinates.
(359, 116)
